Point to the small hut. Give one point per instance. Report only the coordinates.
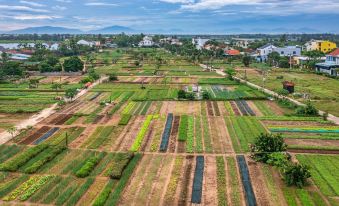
(289, 86)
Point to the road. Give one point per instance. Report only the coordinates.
(331, 117)
(36, 118)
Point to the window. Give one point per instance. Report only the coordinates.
(294, 52)
(282, 52)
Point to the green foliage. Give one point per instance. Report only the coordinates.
(183, 128)
(205, 95)
(89, 165)
(277, 159)
(121, 160)
(73, 64)
(125, 119)
(71, 93)
(230, 73)
(103, 196)
(266, 144)
(93, 74)
(73, 200)
(283, 92)
(221, 181)
(246, 60)
(190, 135)
(113, 77)
(181, 94)
(309, 110)
(140, 136)
(13, 164)
(36, 186)
(284, 63)
(52, 153)
(296, 175)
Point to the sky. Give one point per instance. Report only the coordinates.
(176, 16)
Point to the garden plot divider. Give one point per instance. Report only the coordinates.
(246, 181)
(166, 134)
(47, 135)
(198, 180)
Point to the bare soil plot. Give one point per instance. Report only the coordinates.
(210, 182)
(36, 135)
(254, 109)
(312, 142)
(275, 108)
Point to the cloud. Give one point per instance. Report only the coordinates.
(178, 1)
(32, 3)
(59, 8)
(21, 8)
(35, 17)
(64, 1)
(100, 4)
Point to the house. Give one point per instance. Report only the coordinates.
(147, 41)
(320, 45)
(331, 65)
(243, 43)
(232, 52)
(302, 60)
(54, 47)
(199, 42)
(263, 52)
(85, 43)
(288, 51)
(289, 86)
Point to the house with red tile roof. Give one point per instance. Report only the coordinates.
(232, 52)
(331, 65)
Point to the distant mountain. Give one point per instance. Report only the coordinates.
(46, 30)
(112, 30)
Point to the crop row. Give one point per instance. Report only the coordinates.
(89, 165)
(26, 189)
(121, 100)
(140, 136)
(100, 135)
(128, 108)
(47, 155)
(244, 108)
(173, 182)
(198, 135)
(207, 138)
(304, 130)
(120, 162)
(229, 108)
(265, 110)
(166, 133)
(46, 135)
(183, 128)
(17, 161)
(190, 135)
(221, 181)
(124, 119)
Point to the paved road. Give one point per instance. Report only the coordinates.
(331, 117)
(35, 119)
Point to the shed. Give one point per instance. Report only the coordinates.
(289, 86)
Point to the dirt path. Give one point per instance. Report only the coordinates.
(209, 193)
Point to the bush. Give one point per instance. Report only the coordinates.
(190, 96)
(86, 80)
(120, 163)
(73, 64)
(181, 94)
(206, 95)
(309, 110)
(113, 77)
(283, 92)
(296, 175)
(266, 144)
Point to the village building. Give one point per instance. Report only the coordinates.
(147, 41)
(320, 45)
(331, 65)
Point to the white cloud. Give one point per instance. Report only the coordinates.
(178, 1)
(59, 8)
(100, 4)
(32, 3)
(35, 17)
(21, 8)
(64, 1)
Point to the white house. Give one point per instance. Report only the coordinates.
(289, 51)
(331, 65)
(86, 43)
(199, 42)
(147, 41)
(54, 47)
(243, 43)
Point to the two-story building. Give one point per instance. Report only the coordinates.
(262, 53)
(147, 41)
(320, 45)
(331, 65)
(199, 42)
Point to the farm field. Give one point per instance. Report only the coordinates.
(120, 144)
(323, 97)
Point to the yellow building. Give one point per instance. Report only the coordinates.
(326, 46)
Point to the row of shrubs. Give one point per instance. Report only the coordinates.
(89, 166)
(15, 163)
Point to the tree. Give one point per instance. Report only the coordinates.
(266, 144)
(71, 93)
(73, 64)
(56, 87)
(34, 83)
(284, 62)
(246, 60)
(308, 110)
(190, 96)
(11, 68)
(230, 72)
(12, 131)
(92, 73)
(4, 57)
(273, 59)
(296, 175)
